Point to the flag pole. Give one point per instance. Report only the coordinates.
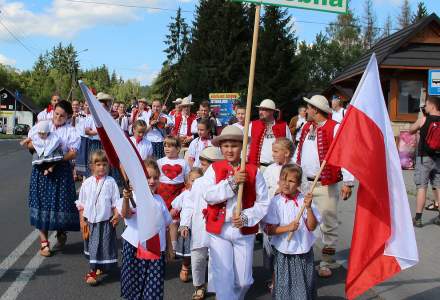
(312, 188)
(248, 104)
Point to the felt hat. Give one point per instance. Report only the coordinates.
(104, 97)
(319, 102)
(177, 101)
(143, 100)
(268, 104)
(211, 153)
(229, 133)
(187, 101)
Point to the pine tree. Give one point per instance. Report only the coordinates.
(346, 30)
(405, 14)
(370, 31)
(420, 13)
(388, 26)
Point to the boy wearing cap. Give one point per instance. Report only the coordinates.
(264, 131)
(232, 236)
(316, 138)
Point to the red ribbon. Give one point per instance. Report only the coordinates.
(49, 108)
(292, 198)
(138, 139)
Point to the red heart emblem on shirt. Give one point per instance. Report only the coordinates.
(171, 171)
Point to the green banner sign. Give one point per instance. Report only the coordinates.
(334, 6)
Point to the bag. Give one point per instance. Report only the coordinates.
(433, 137)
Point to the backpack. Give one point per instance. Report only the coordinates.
(433, 137)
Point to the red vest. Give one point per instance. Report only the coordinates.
(215, 214)
(324, 134)
(257, 138)
(178, 123)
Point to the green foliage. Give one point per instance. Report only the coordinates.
(420, 13)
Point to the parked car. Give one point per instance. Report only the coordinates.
(21, 129)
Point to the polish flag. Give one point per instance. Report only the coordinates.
(120, 150)
(383, 241)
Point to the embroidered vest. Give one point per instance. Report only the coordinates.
(215, 214)
(178, 123)
(324, 134)
(257, 137)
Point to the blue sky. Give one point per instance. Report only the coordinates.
(126, 39)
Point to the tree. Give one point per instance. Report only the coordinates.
(346, 31)
(420, 13)
(404, 18)
(370, 31)
(388, 26)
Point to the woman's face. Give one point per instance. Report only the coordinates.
(59, 116)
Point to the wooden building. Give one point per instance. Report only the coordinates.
(404, 59)
(25, 110)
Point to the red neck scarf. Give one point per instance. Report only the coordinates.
(98, 178)
(49, 108)
(293, 198)
(138, 139)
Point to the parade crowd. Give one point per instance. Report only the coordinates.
(194, 174)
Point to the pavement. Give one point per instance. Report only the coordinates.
(26, 275)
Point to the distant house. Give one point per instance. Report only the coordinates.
(26, 110)
(404, 59)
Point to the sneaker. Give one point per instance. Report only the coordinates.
(417, 223)
(436, 221)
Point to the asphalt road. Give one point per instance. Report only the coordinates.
(26, 275)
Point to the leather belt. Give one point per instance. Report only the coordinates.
(313, 179)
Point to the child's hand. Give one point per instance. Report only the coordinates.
(115, 220)
(308, 200)
(127, 194)
(184, 232)
(293, 226)
(174, 212)
(237, 221)
(240, 176)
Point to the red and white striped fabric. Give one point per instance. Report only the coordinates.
(120, 150)
(383, 241)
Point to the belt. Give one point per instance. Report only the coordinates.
(265, 164)
(313, 179)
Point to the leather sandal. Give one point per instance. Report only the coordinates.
(45, 249)
(199, 293)
(184, 275)
(91, 278)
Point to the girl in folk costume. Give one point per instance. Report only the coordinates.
(83, 153)
(52, 197)
(138, 139)
(47, 113)
(282, 152)
(199, 143)
(122, 118)
(294, 270)
(192, 220)
(184, 242)
(232, 236)
(183, 121)
(98, 217)
(173, 171)
(156, 132)
(143, 279)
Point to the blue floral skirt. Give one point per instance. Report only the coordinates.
(52, 199)
(141, 279)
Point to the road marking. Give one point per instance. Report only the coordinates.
(12, 258)
(22, 280)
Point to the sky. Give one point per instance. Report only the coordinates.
(128, 35)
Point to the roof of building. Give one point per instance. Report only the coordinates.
(25, 101)
(394, 50)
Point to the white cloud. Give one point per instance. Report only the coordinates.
(6, 61)
(65, 18)
(146, 74)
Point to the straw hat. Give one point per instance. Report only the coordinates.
(229, 133)
(177, 101)
(268, 104)
(319, 102)
(211, 153)
(43, 126)
(187, 101)
(104, 97)
(143, 100)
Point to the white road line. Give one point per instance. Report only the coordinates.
(12, 258)
(22, 280)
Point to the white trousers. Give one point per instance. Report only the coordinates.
(199, 261)
(232, 256)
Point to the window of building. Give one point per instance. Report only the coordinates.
(409, 96)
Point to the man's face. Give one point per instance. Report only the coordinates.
(75, 106)
(336, 103)
(265, 114)
(311, 112)
(204, 111)
(240, 115)
(302, 112)
(185, 109)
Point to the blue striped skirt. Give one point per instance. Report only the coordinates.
(81, 157)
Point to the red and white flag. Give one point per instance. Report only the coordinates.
(120, 150)
(383, 241)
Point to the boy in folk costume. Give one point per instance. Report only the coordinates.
(232, 236)
(183, 121)
(192, 219)
(264, 131)
(316, 138)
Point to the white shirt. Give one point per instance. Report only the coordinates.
(239, 126)
(46, 146)
(144, 115)
(97, 198)
(310, 159)
(272, 177)
(192, 215)
(283, 213)
(130, 233)
(222, 191)
(144, 147)
(268, 140)
(44, 115)
(69, 137)
(80, 125)
(154, 135)
(173, 171)
(195, 148)
(123, 122)
(300, 124)
(179, 200)
(90, 124)
(338, 116)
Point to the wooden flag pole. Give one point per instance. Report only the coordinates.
(248, 104)
(312, 188)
